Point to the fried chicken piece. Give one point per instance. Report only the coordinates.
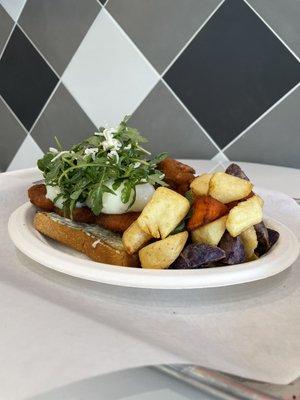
(178, 175)
(80, 214)
(117, 222)
(37, 196)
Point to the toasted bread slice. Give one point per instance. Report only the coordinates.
(97, 243)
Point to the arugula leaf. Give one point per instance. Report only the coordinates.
(86, 177)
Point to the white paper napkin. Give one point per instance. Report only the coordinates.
(56, 329)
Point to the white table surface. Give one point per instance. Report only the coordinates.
(26, 305)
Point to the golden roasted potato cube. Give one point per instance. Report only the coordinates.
(210, 233)
(163, 253)
(244, 215)
(254, 257)
(134, 238)
(249, 240)
(260, 200)
(163, 213)
(200, 185)
(227, 188)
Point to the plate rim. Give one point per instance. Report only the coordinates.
(25, 238)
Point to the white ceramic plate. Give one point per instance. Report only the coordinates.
(60, 258)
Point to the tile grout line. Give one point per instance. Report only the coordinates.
(192, 116)
(272, 30)
(38, 50)
(261, 116)
(44, 106)
(192, 38)
(165, 83)
(13, 113)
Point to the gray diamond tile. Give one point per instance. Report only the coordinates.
(167, 126)
(283, 17)
(63, 118)
(161, 28)
(6, 25)
(275, 139)
(58, 27)
(11, 136)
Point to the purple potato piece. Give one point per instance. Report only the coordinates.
(262, 238)
(235, 170)
(234, 249)
(197, 255)
(273, 236)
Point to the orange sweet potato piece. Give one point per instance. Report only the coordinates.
(205, 209)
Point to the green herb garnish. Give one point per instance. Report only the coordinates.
(85, 172)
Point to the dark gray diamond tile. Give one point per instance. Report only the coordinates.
(283, 17)
(232, 72)
(12, 135)
(275, 139)
(167, 126)
(161, 28)
(6, 25)
(26, 80)
(58, 27)
(63, 118)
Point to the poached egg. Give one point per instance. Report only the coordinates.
(112, 204)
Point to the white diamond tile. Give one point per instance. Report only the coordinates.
(108, 76)
(13, 7)
(27, 155)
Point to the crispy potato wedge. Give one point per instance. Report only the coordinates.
(200, 185)
(205, 209)
(161, 254)
(227, 188)
(163, 213)
(253, 257)
(244, 215)
(210, 233)
(134, 238)
(250, 242)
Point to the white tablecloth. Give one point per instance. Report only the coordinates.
(56, 329)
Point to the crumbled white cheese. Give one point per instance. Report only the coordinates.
(96, 242)
(136, 165)
(113, 153)
(92, 151)
(53, 150)
(128, 147)
(110, 143)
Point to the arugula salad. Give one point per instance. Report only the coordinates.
(109, 160)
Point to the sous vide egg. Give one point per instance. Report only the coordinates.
(52, 192)
(112, 204)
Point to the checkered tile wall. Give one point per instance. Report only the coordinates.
(201, 79)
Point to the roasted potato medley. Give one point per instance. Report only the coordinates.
(135, 238)
(227, 188)
(163, 253)
(163, 213)
(216, 221)
(210, 233)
